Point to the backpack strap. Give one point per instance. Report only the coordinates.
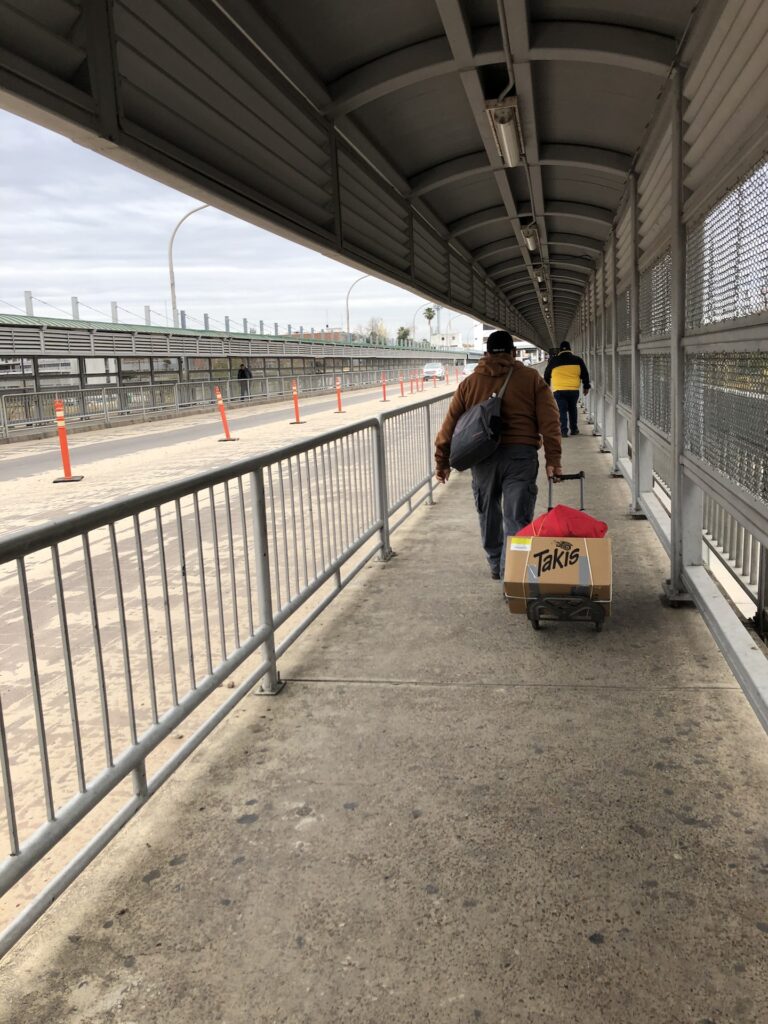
(500, 393)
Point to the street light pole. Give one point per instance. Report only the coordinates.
(171, 276)
(422, 306)
(359, 279)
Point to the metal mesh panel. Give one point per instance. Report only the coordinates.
(655, 297)
(727, 266)
(623, 325)
(625, 380)
(655, 377)
(609, 373)
(726, 412)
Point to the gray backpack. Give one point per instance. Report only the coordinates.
(478, 431)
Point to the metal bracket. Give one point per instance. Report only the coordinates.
(675, 598)
(271, 693)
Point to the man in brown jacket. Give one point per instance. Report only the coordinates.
(508, 477)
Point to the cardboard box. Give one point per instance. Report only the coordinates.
(557, 567)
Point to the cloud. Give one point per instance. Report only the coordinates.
(73, 222)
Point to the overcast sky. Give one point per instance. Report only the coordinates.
(74, 223)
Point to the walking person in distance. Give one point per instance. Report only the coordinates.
(564, 373)
(244, 375)
(504, 485)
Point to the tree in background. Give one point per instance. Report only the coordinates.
(375, 331)
(429, 315)
(403, 335)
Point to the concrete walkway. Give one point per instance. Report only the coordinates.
(446, 818)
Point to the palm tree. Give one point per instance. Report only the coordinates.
(403, 335)
(429, 315)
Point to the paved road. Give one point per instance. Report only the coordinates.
(101, 446)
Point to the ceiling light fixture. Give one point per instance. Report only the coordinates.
(506, 131)
(531, 235)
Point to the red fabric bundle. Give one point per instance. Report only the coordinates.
(563, 521)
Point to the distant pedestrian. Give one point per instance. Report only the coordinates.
(564, 373)
(244, 375)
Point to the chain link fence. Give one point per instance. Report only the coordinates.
(655, 298)
(726, 415)
(727, 255)
(655, 408)
(623, 319)
(624, 395)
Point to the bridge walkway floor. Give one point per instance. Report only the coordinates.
(445, 817)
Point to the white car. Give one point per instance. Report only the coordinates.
(467, 369)
(433, 370)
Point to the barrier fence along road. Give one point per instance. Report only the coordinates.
(132, 615)
(24, 411)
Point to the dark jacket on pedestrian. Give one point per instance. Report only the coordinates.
(528, 409)
(565, 372)
(244, 373)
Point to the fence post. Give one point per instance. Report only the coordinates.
(382, 492)
(270, 683)
(428, 452)
(618, 429)
(687, 500)
(642, 458)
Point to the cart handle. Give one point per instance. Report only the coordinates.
(571, 476)
(567, 476)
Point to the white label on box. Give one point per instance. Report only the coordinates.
(520, 543)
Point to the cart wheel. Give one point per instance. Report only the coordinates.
(598, 627)
(535, 622)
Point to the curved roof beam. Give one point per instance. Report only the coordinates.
(419, 62)
(571, 279)
(579, 243)
(582, 266)
(617, 45)
(503, 245)
(462, 167)
(478, 219)
(509, 281)
(577, 211)
(606, 161)
(507, 267)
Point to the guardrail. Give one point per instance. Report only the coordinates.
(144, 607)
(25, 411)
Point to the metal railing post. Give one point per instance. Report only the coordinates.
(428, 452)
(618, 430)
(642, 460)
(382, 492)
(270, 682)
(687, 504)
(761, 615)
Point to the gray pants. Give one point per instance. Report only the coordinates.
(505, 481)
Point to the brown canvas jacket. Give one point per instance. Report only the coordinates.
(528, 408)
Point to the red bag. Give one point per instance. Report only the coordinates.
(563, 521)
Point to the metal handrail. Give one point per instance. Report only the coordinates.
(199, 581)
(24, 411)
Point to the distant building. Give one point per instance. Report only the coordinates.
(447, 339)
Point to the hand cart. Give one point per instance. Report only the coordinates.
(572, 609)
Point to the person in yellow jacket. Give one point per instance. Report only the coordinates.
(565, 372)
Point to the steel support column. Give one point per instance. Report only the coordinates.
(687, 514)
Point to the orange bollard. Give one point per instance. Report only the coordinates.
(61, 427)
(412, 376)
(402, 387)
(295, 393)
(435, 379)
(384, 387)
(223, 414)
(338, 395)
